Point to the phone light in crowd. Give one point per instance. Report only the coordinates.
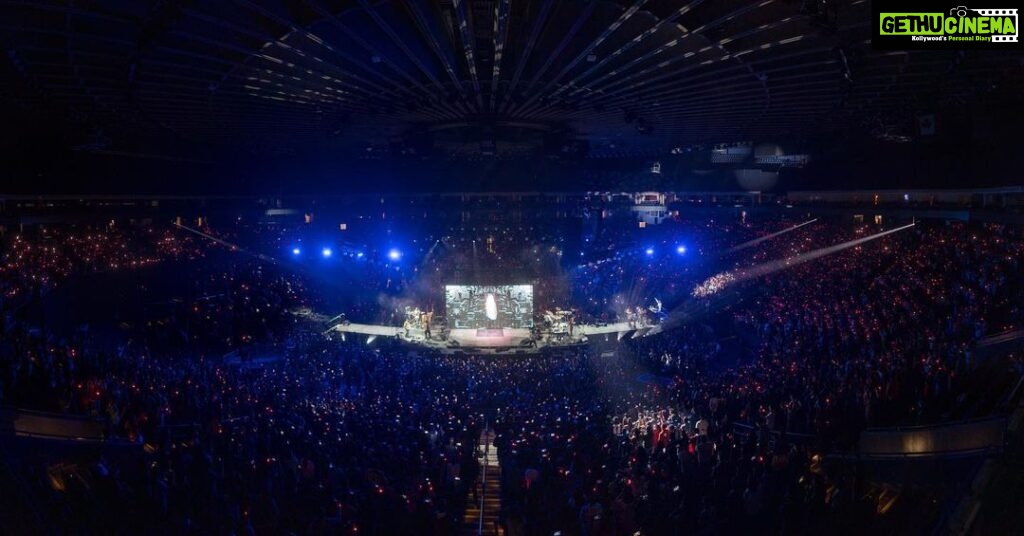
(394, 255)
(649, 251)
(296, 252)
(681, 250)
(326, 252)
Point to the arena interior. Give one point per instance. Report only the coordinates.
(509, 267)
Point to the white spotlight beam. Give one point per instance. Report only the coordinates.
(229, 245)
(207, 236)
(757, 241)
(781, 264)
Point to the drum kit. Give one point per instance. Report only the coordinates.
(559, 322)
(417, 319)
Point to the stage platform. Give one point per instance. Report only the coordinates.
(369, 329)
(496, 340)
(489, 338)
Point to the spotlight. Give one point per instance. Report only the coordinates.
(394, 255)
(649, 251)
(326, 252)
(681, 250)
(296, 251)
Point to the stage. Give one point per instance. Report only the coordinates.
(489, 338)
(496, 340)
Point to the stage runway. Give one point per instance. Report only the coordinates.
(495, 339)
(594, 329)
(369, 329)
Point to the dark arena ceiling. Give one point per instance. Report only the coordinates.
(594, 78)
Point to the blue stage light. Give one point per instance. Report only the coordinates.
(359, 255)
(296, 251)
(681, 250)
(326, 252)
(649, 251)
(394, 254)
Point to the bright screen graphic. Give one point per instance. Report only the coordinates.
(493, 306)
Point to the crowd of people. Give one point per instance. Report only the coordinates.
(678, 432)
(37, 264)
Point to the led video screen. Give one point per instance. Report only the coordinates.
(489, 306)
